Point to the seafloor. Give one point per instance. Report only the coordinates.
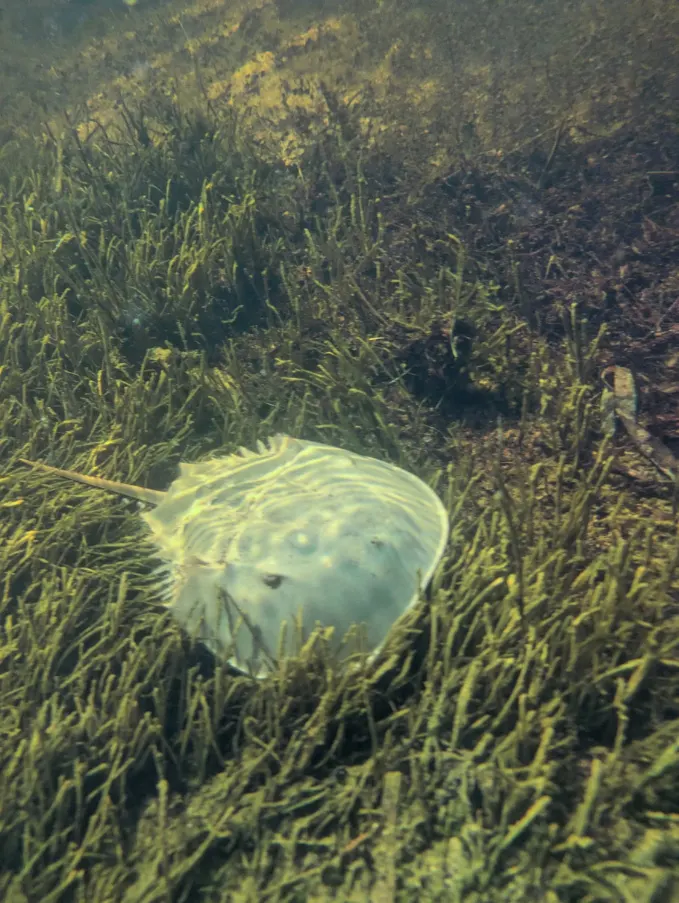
(446, 235)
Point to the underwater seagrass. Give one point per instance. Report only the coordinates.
(296, 533)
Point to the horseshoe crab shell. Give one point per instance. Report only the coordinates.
(296, 533)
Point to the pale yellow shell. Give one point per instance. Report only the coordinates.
(297, 534)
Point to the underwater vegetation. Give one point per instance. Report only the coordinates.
(167, 292)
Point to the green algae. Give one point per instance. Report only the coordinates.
(164, 293)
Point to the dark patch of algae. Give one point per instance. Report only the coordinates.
(162, 299)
